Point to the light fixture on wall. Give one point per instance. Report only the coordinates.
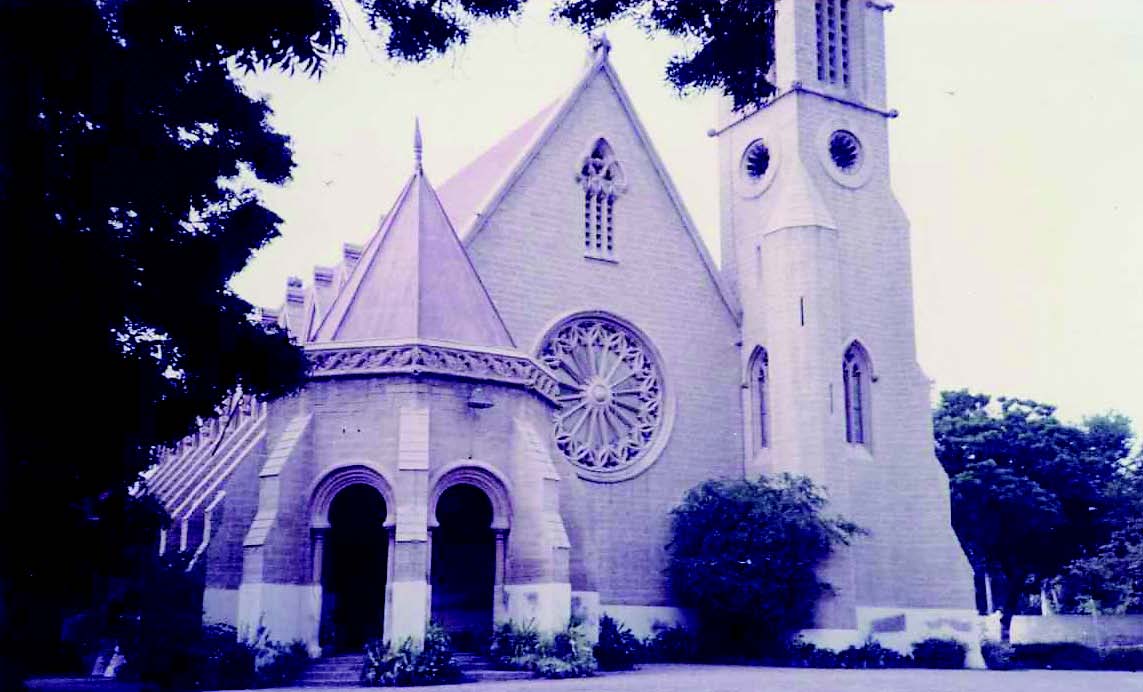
(478, 400)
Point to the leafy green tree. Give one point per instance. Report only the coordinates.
(129, 155)
(1029, 493)
(1111, 578)
(744, 555)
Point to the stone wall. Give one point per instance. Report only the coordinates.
(530, 255)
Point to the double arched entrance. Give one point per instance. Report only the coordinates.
(356, 553)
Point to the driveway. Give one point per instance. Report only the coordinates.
(697, 678)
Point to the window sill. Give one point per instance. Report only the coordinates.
(859, 451)
(600, 258)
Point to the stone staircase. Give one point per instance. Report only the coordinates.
(334, 671)
(478, 668)
(344, 670)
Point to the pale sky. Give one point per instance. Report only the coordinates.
(1017, 156)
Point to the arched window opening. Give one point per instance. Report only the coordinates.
(855, 384)
(760, 391)
(602, 179)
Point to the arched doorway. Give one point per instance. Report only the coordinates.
(354, 569)
(464, 566)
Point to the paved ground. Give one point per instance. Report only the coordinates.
(693, 678)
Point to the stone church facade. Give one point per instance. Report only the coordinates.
(525, 368)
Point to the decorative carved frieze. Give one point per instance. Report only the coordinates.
(355, 361)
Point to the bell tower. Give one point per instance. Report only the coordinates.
(816, 248)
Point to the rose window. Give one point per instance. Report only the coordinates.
(611, 394)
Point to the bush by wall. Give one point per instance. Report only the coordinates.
(670, 644)
(744, 555)
(215, 657)
(998, 655)
(618, 648)
(939, 653)
(1122, 658)
(1060, 656)
(566, 654)
(408, 665)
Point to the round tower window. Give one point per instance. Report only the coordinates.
(845, 151)
(756, 161)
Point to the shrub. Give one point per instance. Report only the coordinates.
(939, 653)
(430, 664)
(221, 660)
(555, 668)
(872, 654)
(670, 644)
(998, 655)
(1122, 658)
(520, 647)
(799, 653)
(618, 648)
(1057, 656)
(744, 555)
(512, 644)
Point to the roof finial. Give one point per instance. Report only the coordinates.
(418, 146)
(599, 44)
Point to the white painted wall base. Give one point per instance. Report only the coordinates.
(548, 605)
(220, 605)
(900, 628)
(287, 611)
(642, 620)
(585, 608)
(410, 611)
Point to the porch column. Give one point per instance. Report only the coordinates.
(317, 556)
(387, 625)
(499, 596)
(410, 583)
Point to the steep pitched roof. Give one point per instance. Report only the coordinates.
(415, 281)
(466, 192)
(475, 192)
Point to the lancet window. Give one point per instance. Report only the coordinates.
(602, 179)
(760, 393)
(856, 385)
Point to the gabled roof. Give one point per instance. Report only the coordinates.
(415, 281)
(466, 192)
(474, 192)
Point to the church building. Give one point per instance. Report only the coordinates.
(527, 366)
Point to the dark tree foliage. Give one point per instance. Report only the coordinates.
(127, 152)
(733, 46)
(1030, 493)
(744, 555)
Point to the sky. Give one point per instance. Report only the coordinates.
(1017, 155)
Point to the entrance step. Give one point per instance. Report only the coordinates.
(478, 668)
(468, 661)
(334, 671)
(489, 675)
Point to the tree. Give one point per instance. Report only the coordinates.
(1029, 493)
(128, 156)
(744, 555)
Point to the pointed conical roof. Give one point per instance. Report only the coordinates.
(415, 281)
